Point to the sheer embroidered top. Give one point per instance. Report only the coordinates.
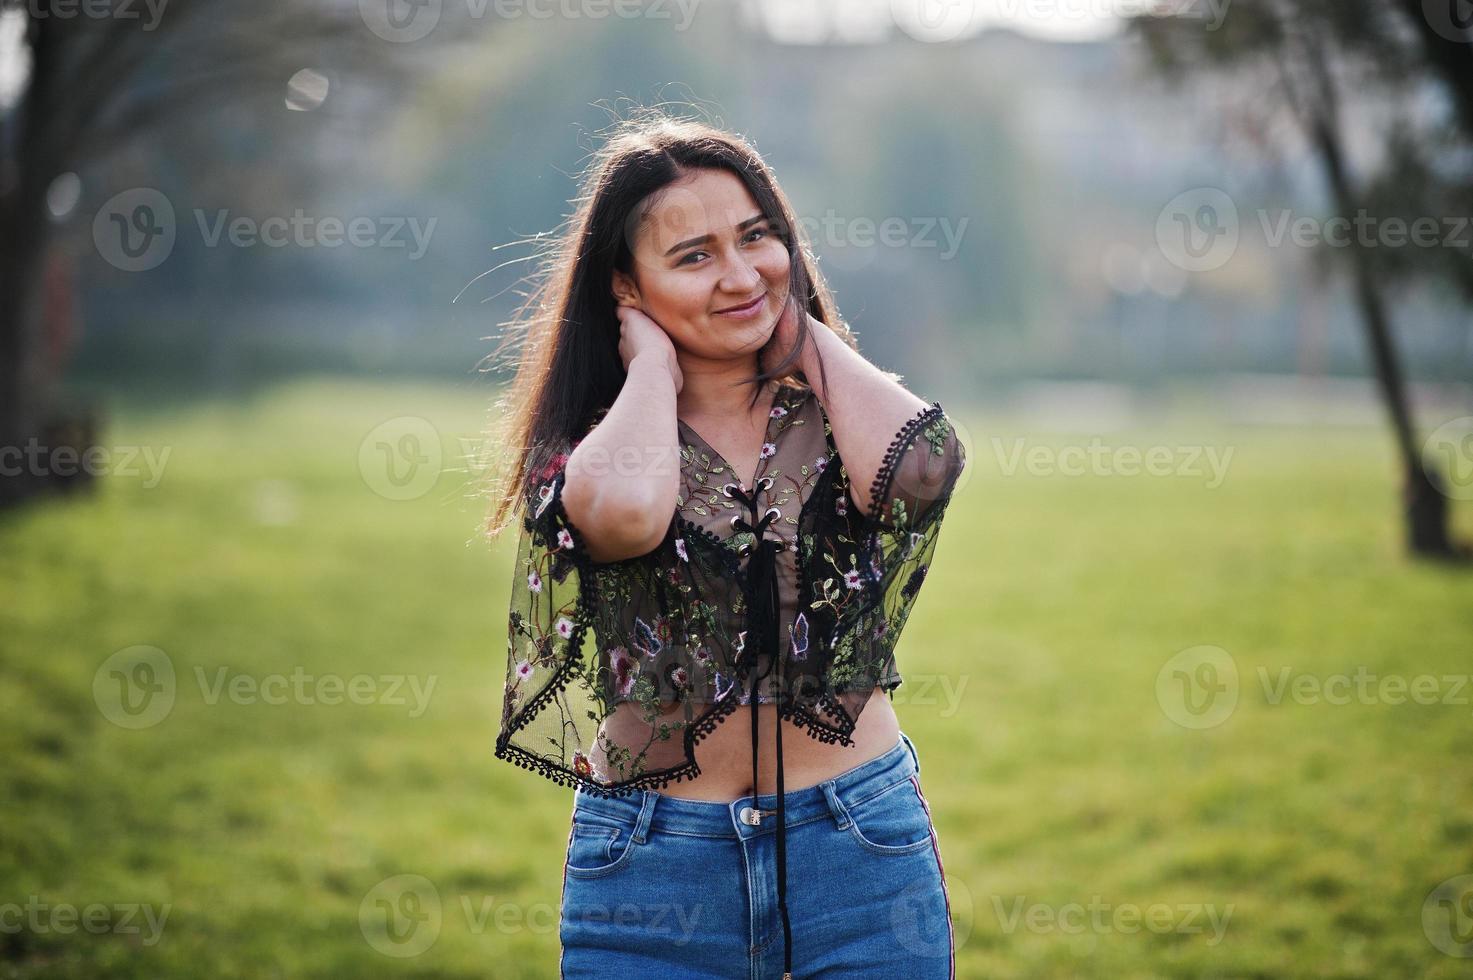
(780, 592)
(616, 670)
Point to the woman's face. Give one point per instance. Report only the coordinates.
(704, 248)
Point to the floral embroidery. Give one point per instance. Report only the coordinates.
(625, 668)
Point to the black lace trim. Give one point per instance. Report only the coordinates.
(880, 488)
(587, 601)
(656, 780)
(704, 725)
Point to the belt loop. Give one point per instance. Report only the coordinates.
(646, 812)
(836, 806)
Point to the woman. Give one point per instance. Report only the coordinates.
(668, 339)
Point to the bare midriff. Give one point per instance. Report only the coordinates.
(725, 754)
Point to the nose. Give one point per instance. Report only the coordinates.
(741, 278)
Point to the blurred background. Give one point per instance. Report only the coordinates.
(1191, 686)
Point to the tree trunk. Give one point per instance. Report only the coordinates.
(23, 388)
(1423, 500)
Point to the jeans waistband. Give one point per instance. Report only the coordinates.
(648, 809)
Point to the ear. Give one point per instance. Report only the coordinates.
(626, 293)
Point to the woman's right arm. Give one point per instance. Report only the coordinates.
(623, 477)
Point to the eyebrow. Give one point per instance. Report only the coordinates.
(706, 238)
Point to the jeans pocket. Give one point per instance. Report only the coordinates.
(598, 846)
(893, 822)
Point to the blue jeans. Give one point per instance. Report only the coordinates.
(657, 886)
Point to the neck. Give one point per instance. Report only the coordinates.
(718, 390)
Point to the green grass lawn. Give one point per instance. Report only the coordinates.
(1091, 824)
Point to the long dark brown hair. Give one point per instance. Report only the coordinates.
(567, 334)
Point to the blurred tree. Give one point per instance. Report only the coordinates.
(97, 77)
(1381, 93)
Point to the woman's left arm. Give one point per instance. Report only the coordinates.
(869, 410)
(864, 405)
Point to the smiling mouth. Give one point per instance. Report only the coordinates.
(746, 307)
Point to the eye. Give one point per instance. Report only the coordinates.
(685, 260)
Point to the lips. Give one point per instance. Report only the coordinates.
(744, 307)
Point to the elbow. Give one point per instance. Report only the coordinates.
(613, 527)
(632, 525)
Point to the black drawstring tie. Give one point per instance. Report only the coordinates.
(765, 606)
